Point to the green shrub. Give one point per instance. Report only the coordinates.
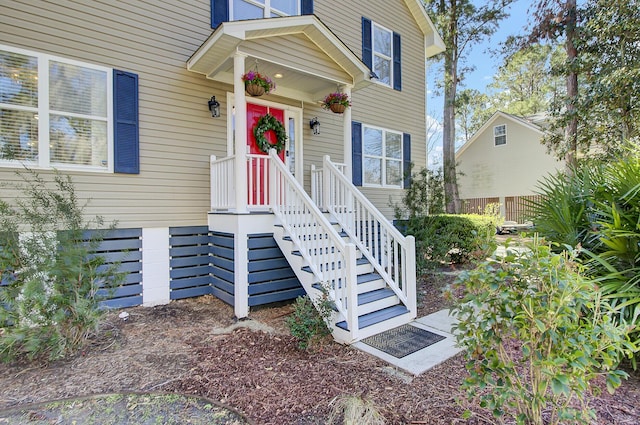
(308, 323)
(532, 350)
(49, 272)
(598, 207)
(425, 196)
(564, 212)
(449, 239)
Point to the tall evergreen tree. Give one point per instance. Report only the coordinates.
(462, 24)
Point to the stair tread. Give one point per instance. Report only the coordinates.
(370, 319)
(375, 295)
(359, 262)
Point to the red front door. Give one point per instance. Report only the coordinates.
(258, 170)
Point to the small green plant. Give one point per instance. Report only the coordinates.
(51, 276)
(309, 322)
(425, 196)
(537, 333)
(353, 410)
(450, 239)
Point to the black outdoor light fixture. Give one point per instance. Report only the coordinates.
(314, 124)
(214, 107)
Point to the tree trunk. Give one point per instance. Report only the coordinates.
(452, 199)
(571, 131)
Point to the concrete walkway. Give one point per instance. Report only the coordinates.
(419, 362)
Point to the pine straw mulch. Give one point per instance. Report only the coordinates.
(195, 347)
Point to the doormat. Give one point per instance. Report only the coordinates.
(403, 340)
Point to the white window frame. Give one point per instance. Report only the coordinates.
(496, 136)
(383, 157)
(381, 55)
(266, 8)
(43, 112)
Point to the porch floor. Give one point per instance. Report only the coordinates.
(419, 362)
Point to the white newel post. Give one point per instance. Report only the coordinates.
(347, 137)
(155, 266)
(410, 278)
(241, 134)
(326, 184)
(352, 295)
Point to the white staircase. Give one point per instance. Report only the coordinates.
(364, 264)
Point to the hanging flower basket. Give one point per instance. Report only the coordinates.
(256, 84)
(254, 89)
(338, 108)
(336, 102)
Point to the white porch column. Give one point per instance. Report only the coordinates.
(347, 136)
(155, 266)
(241, 134)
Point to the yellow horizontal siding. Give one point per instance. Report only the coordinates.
(154, 39)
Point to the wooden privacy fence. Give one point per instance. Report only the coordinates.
(477, 205)
(515, 207)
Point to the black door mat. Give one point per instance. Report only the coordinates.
(403, 340)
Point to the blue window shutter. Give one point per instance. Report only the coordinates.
(397, 62)
(307, 7)
(356, 152)
(367, 49)
(125, 123)
(219, 12)
(406, 159)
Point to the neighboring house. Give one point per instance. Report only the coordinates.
(117, 93)
(502, 163)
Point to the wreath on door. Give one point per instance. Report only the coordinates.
(265, 123)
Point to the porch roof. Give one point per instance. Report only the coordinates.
(311, 59)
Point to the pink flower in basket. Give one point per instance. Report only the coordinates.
(254, 77)
(337, 98)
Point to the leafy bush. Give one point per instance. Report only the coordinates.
(449, 238)
(564, 214)
(50, 276)
(532, 351)
(309, 323)
(425, 196)
(598, 207)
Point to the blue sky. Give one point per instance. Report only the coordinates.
(485, 65)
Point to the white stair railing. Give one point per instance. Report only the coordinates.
(329, 257)
(391, 253)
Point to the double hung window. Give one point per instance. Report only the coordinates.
(54, 112)
(382, 157)
(500, 135)
(383, 54)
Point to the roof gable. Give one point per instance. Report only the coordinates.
(498, 114)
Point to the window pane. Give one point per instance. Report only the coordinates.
(78, 141)
(382, 68)
(244, 10)
(373, 171)
(290, 7)
(394, 145)
(500, 130)
(381, 41)
(18, 79)
(372, 141)
(394, 172)
(77, 89)
(18, 135)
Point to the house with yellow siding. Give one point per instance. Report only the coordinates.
(252, 198)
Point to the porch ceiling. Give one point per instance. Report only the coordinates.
(311, 59)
